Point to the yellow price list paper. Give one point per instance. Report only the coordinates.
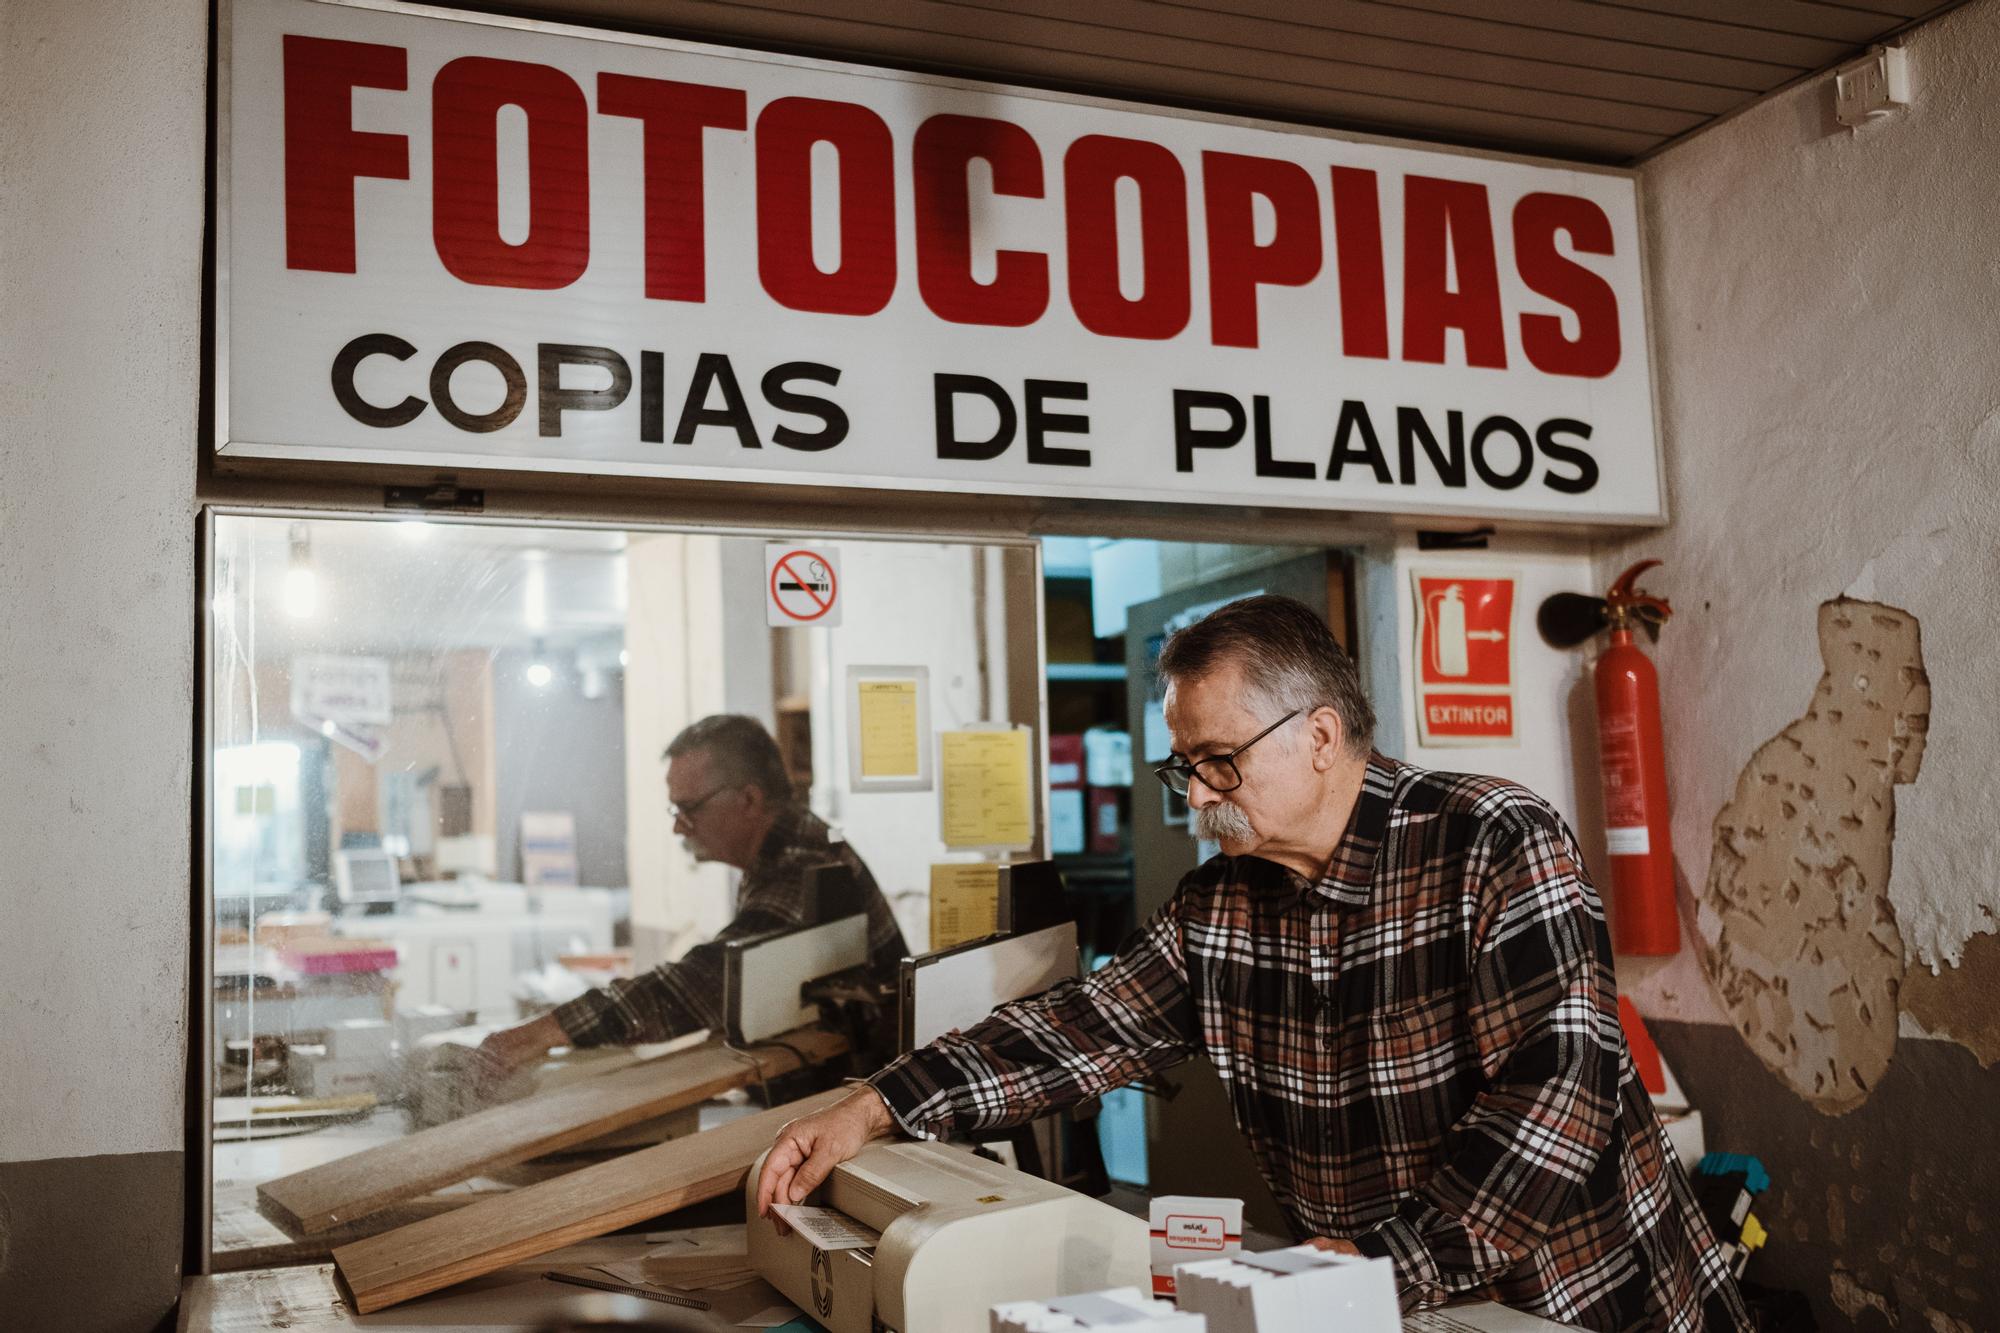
(983, 782)
(965, 903)
(889, 740)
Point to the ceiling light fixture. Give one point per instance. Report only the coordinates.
(535, 594)
(301, 586)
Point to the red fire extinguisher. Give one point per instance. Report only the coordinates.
(1632, 757)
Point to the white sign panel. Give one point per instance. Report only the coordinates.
(466, 243)
(801, 585)
(343, 689)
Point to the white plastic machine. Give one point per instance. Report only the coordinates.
(959, 1234)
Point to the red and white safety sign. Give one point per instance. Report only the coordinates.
(801, 585)
(1465, 658)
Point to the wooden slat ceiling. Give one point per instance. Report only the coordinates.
(1585, 80)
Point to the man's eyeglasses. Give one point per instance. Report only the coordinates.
(692, 808)
(1218, 772)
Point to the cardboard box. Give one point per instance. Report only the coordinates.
(1187, 1227)
(281, 930)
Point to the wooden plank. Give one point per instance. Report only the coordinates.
(427, 1256)
(352, 1187)
(244, 1240)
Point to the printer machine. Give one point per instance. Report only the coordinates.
(958, 1234)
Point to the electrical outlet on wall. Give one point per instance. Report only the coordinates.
(1875, 85)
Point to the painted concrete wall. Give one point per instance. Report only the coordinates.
(100, 258)
(1827, 304)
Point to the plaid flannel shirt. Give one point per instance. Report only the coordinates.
(684, 996)
(1422, 1050)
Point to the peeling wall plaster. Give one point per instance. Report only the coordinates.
(1825, 305)
(1798, 934)
(1961, 1003)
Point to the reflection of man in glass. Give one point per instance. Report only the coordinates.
(732, 802)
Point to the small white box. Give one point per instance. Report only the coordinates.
(365, 1040)
(1685, 1133)
(1299, 1288)
(319, 1075)
(1187, 1227)
(1121, 1308)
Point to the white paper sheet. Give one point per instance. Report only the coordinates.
(826, 1228)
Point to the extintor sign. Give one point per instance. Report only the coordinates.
(1465, 658)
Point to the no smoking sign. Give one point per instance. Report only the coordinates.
(801, 585)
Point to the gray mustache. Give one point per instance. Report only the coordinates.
(1220, 822)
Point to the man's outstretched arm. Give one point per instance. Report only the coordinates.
(1080, 1039)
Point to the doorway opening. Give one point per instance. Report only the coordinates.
(1119, 836)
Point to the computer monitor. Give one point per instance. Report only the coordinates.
(365, 876)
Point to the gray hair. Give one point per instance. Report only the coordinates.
(741, 749)
(1289, 660)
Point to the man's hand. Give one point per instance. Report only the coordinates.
(1333, 1246)
(807, 1149)
(507, 1050)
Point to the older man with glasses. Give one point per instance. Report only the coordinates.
(1403, 979)
(732, 802)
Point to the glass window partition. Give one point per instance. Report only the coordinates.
(435, 787)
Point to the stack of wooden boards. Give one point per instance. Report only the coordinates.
(435, 1252)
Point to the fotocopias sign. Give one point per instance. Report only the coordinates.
(465, 242)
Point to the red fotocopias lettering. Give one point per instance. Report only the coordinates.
(465, 174)
(1357, 250)
(1237, 264)
(1595, 350)
(675, 116)
(944, 147)
(1265, 225)
(1446, 226)
(787, 129)
(324, 153)
(1092, 168)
